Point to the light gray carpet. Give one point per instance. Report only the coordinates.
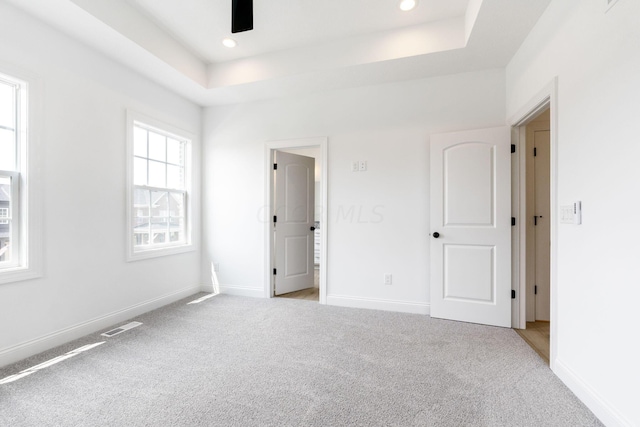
(233, 361)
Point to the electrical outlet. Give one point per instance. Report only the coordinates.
(355, 166)
(363, 165)
(388, 279)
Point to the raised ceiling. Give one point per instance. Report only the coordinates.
(285, 24)
(297, 46)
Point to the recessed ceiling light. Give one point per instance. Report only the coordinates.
(407, 5)
(228, 42)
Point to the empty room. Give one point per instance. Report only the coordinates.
(314, 213)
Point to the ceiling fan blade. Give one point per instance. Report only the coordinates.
(241, 15)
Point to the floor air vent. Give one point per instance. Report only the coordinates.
(121, 329)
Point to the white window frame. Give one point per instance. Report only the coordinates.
(26, 206)
(139, 253)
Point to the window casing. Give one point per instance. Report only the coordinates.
(158, 208)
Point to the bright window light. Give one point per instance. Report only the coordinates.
(48, 363)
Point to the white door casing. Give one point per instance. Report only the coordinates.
(471, 214)
(294, 209)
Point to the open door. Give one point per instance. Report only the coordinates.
(542, 225)
(294, 222)
(471, 226)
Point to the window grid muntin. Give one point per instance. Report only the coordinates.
(169, 230)
(10, 256)
(148, 159)
(15, 116)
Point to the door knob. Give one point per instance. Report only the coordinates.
(312, 228)
(436, 235)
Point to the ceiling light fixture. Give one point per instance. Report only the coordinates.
(406, 5)
(229, 42)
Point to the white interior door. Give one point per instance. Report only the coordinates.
(542, 228)
(294, 212)
(471, 226)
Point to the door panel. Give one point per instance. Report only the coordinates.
(296, 255)
(469, 273)
(294, 208)
(468, 186)
(471, 212)
(296, 203)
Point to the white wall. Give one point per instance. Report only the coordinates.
(378, 219)
(596, 57)
(82, 147)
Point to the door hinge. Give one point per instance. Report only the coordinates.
(535, 151)
(275, 166)
(513, 148)
(513, 294)
(535, 289)
(275, 219)
(274, 271)
(513, 221)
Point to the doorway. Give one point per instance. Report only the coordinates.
(297, 210)
(538, 233)
(534, 206)
(307, 246)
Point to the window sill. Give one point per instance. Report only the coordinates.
(159, 252)
(18, 274)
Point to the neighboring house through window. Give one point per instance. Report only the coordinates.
(4, 212)
(159, 189)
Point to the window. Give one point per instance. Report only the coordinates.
(159, 198)
(18, 231)
(9, 172)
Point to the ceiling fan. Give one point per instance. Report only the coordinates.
(241, 15)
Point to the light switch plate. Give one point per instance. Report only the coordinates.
(571, 214)
(566, 214)
(577, 213)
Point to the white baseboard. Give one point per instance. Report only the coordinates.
(378, 304)
(29, 348)
(207, 287)
(242, 291)
(598, 405)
